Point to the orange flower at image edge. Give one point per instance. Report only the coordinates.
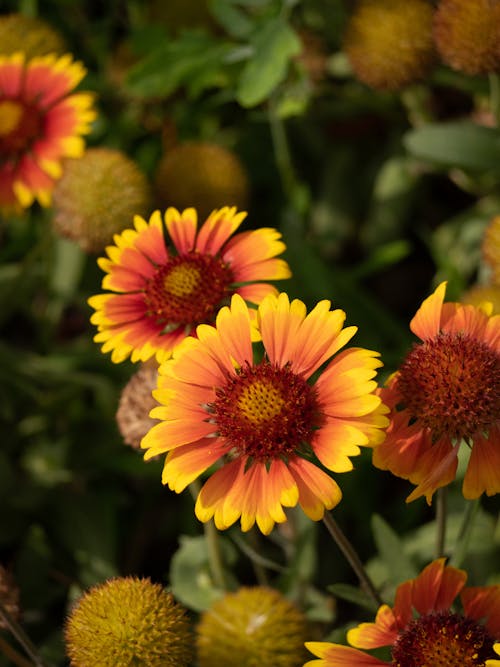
(266, 422)
(447, 391)
(159, 296)
(40, 123)
(436, 636)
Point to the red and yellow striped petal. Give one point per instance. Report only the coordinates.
(218, 227)
(336, 655)
(182, 228)
(317, 491)
(374, 635)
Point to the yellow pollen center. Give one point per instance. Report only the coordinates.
(259, 402)
(182, 280)
(10, 116)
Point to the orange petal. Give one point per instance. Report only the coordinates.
(483, 604)
(335, 442)
(317, 491)
(213, 495)
(483, 471)
(437, 468)
(336, 655)
(184, 464)
(403, 447)
(219, 226)
(427, 321)
(233, 326)
(279, 323)
(436, 587)
(373, 635)
(181, 228)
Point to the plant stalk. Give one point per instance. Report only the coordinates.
(441, 516)
(352, 558)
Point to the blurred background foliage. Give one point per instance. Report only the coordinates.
(378, 194)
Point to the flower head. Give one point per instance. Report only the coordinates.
(266, 421)
(36, 37)
(40, 123)
(97, 196)
(422, 628)
(201, 174)
(136, 402)
(389, 42)
(467, 33)
(447, 390)
(159, 295)
(128, 621)
(257, 624)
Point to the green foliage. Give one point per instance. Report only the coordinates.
(378, 196)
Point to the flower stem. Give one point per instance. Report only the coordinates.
(463, 539)
(441, 516)
(215, 559)
(17, 631)
(494, 80)
(352, 557)
(295, 191)
(11, 653)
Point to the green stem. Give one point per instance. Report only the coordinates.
(295, 191)
(465, 533)
(215, 559)
(494, 80)
(17, 631)
(415, 99)
(352, 558)
(441, 516)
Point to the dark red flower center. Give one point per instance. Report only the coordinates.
(266, 412)
(20, 125)
(188, 290)
(451, 384)
(442, 639)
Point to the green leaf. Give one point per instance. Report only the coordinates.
(273, 46)
(194, 57)
(459, 144)
(231, 18)
(391, 550)
(190, 577)
(352, 594)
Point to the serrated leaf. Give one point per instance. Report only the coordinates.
(460, 144)
(273, 46)
(391, 550)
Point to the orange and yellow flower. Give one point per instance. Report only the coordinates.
(447, 391)
(40, 123)
(267, 422)
(422, 628)
(159, 296)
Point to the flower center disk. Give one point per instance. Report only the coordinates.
(20, 125)
(442, 639)
(189, 289)
(452, 385)
(266, 412)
